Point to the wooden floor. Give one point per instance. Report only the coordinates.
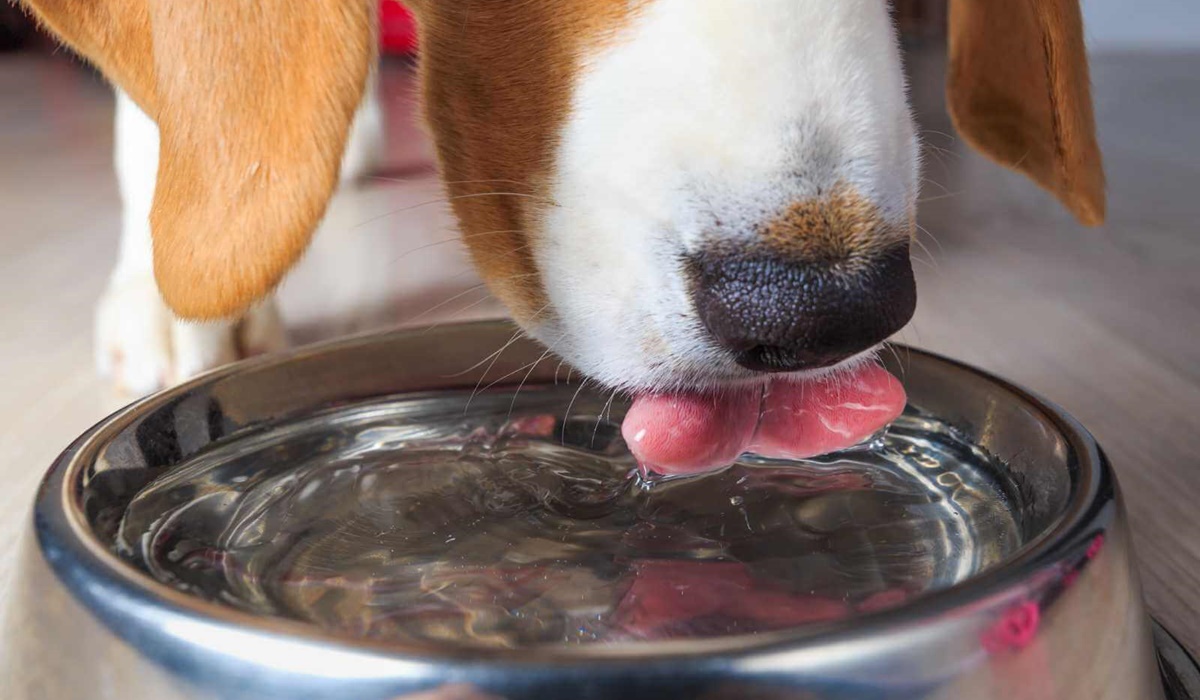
(1104, 322)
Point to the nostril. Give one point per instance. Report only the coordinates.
(777, 314)
(768, 358)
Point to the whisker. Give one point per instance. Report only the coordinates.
(936, 197)
(405, 181)
(932, 262)
(911, 330)
(949, 137)
(482, 300)
(450, 317)
(940, 152)
(444, 302)
(934, 151)
(562, 361)
(533, 366)
(452, 239)
(498, 353)
(928, 181)
(903, 368)
(476, 366)
(446, 200)
(496, 357)
(567, 415)
(506, 375)
(932, 237)
(600, 418)
(477, 287)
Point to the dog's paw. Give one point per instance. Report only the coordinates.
(142, 347)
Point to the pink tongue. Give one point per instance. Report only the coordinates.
(688, 433)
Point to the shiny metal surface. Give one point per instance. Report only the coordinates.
(448, 521)
(1181, 673)
(1061, 620)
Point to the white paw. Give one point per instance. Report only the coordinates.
(142, 347)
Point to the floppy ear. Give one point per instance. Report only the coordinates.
(253, 100)
(1018, 91)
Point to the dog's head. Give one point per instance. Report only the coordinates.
(667, 192)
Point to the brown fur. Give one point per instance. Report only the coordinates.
(498, 82)
(843, 228)
(253, 102)
(1018, 90)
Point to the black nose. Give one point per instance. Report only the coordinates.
(777, 314)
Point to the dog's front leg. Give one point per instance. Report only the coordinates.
(140, 345)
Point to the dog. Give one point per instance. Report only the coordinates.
(672, 195)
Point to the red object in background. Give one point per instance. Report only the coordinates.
(1014, 630)
(397, 29)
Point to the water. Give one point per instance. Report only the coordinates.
(505, 525)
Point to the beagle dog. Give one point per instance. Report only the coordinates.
(705, 193)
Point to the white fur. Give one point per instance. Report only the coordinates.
(699, 111)
(139, 344)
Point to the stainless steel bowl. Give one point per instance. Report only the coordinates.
(1061, 619)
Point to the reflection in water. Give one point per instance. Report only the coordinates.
(506, 525)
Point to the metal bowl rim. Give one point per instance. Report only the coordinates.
(78, 555)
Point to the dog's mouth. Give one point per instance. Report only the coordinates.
(802, 328)
(687, 432)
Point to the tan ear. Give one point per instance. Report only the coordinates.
(1018, 91)
(253, 100)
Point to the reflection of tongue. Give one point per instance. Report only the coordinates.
(685, 433)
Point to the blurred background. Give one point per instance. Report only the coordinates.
(1104, 321)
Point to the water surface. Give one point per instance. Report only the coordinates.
(503, 524)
